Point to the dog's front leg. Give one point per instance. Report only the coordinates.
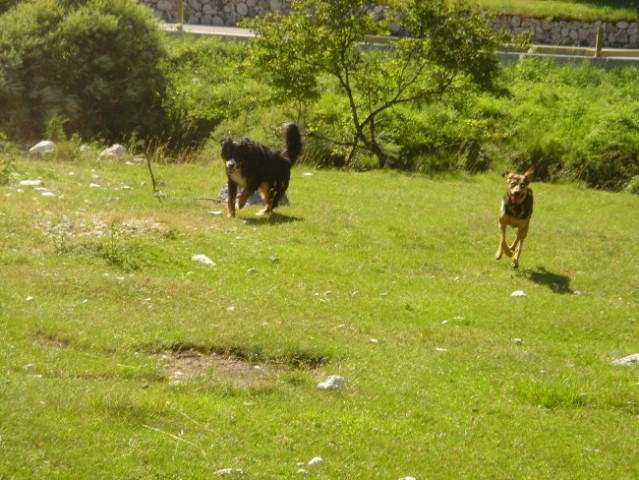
(244, 196)
(503, 246)
(230, 200)
(517, 244)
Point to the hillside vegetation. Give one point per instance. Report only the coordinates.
(611, 10)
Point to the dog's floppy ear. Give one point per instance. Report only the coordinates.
(529, 174)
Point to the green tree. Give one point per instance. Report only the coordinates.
(444, 45)
(95, 64)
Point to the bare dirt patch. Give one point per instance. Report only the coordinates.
(189, 365)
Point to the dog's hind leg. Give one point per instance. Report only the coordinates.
(267, 197)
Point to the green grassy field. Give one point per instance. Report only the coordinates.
(611, 10)
(123, 358)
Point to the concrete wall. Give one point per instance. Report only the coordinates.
(623, 34)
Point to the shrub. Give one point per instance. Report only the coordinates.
(206, 85)
(94, 63)
(633, 185)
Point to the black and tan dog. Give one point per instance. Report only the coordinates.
(252, 166)
(516, 210)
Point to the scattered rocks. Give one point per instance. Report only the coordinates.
(628, 360)
(332, 383)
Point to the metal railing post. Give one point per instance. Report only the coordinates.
(180, 14)
(599, 42)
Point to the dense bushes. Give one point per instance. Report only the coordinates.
(206, 84)
(92, 64)
(575, 122)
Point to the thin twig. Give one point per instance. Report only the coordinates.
(175, 437)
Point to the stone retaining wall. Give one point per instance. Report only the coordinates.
(624, 34)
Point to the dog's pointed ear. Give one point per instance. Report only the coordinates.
(506, 174)
(529, 174)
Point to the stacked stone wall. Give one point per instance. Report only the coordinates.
(623, 34)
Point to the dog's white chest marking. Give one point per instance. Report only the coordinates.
(236, 175)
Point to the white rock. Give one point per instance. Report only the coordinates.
(408, 478)
(45, 146)
(315, 460)
(629, 360)
(518, 293)
(518, 341)
(47, 194)
(116, 150)
(332, 382)
(86, 151)
(31, 183)
(228, 471)
(201, 258)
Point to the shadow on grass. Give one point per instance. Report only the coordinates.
(274, 218)
(556, 282)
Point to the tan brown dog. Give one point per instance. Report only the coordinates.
(516, 210)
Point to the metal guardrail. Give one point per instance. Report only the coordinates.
(598, 51)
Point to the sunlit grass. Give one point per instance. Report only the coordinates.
(386, 279)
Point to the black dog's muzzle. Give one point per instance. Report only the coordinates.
(230, 165)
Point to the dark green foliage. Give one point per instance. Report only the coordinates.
(7, 4)
(206, 84)
(94, 63)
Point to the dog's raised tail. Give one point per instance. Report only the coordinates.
(293, 141)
